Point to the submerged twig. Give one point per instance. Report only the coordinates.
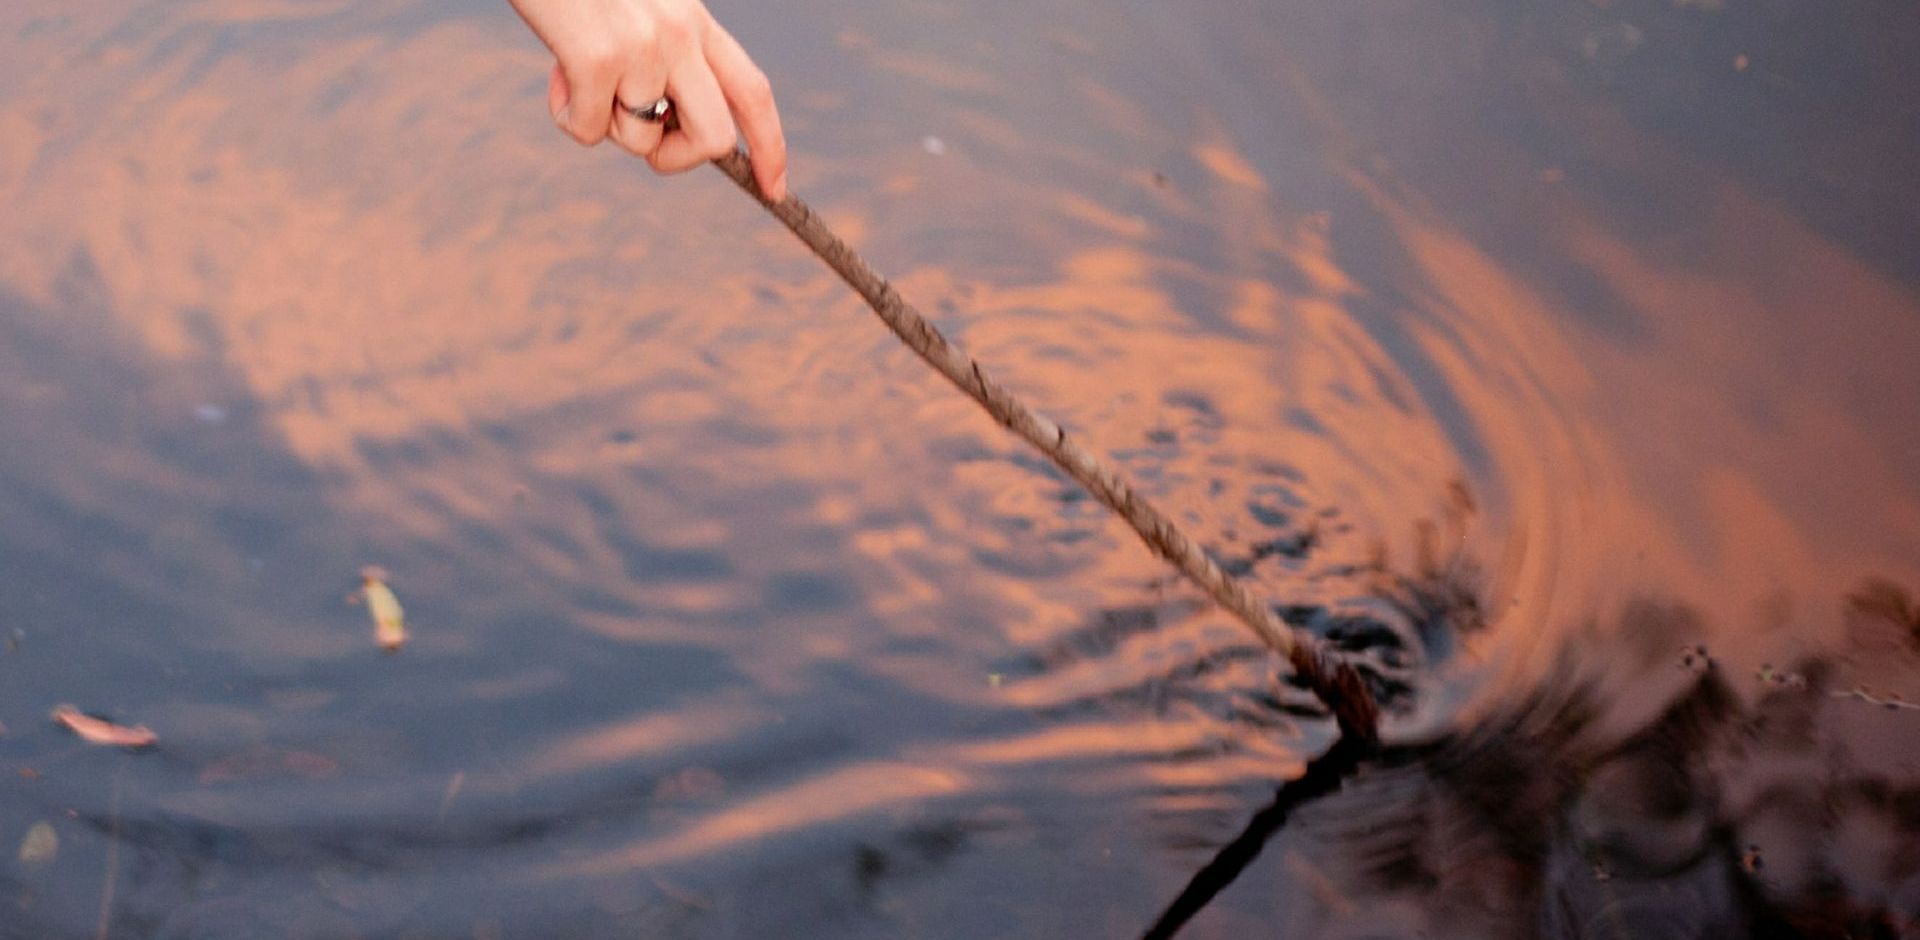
(105, 922)
(1336, 683)
(1322, 776)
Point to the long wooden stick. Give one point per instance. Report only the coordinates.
(1335, 682)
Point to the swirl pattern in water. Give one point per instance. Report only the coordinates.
(1558, 361)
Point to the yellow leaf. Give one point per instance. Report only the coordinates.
(40, 845)
(389, 619)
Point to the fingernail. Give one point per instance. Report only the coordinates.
(780, 186)
(560, 116)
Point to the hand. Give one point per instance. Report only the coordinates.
(634, 51)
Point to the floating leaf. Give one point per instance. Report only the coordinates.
(389, 620)
(40, 845)
(101, 731)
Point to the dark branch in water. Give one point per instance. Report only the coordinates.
(1333, 680)
(1322, 777)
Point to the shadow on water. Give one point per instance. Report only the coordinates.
(166, 561)
(143, 500)
(1741, 806)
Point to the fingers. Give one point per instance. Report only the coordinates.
(630, 50)
(750, 96)
(640, 138)
(706, 127)
(638, 89)
(588, 110)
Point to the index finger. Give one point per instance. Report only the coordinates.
(750, 97)
(589, 107)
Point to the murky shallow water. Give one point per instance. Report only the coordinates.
(730, 620)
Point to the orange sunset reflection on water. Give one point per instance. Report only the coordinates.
(667, 505)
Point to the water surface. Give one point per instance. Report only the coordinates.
(731, 620)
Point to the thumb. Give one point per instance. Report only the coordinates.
(558, 94)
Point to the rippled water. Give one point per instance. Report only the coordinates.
(1552, 340)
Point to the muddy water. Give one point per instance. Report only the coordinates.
(1534, 337)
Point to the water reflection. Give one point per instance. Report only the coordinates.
(1737, 808)
(711, 589)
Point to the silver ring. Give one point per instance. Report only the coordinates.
(653, 112)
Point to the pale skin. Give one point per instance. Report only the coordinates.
(609, 52)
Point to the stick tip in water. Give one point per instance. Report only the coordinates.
(1343, 689)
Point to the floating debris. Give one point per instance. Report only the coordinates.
(40, 846)
(1772, 676)
(101, 731)
(389, 619)
(933, 145)
(1695, 659)
(1893, 701)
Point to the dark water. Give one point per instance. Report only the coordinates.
(1549, 340)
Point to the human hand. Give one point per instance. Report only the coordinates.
(635, 51)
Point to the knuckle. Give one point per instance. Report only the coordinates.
(674, 26)
(642, 36)
(602, 59)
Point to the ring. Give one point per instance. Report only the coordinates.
(653, 112)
